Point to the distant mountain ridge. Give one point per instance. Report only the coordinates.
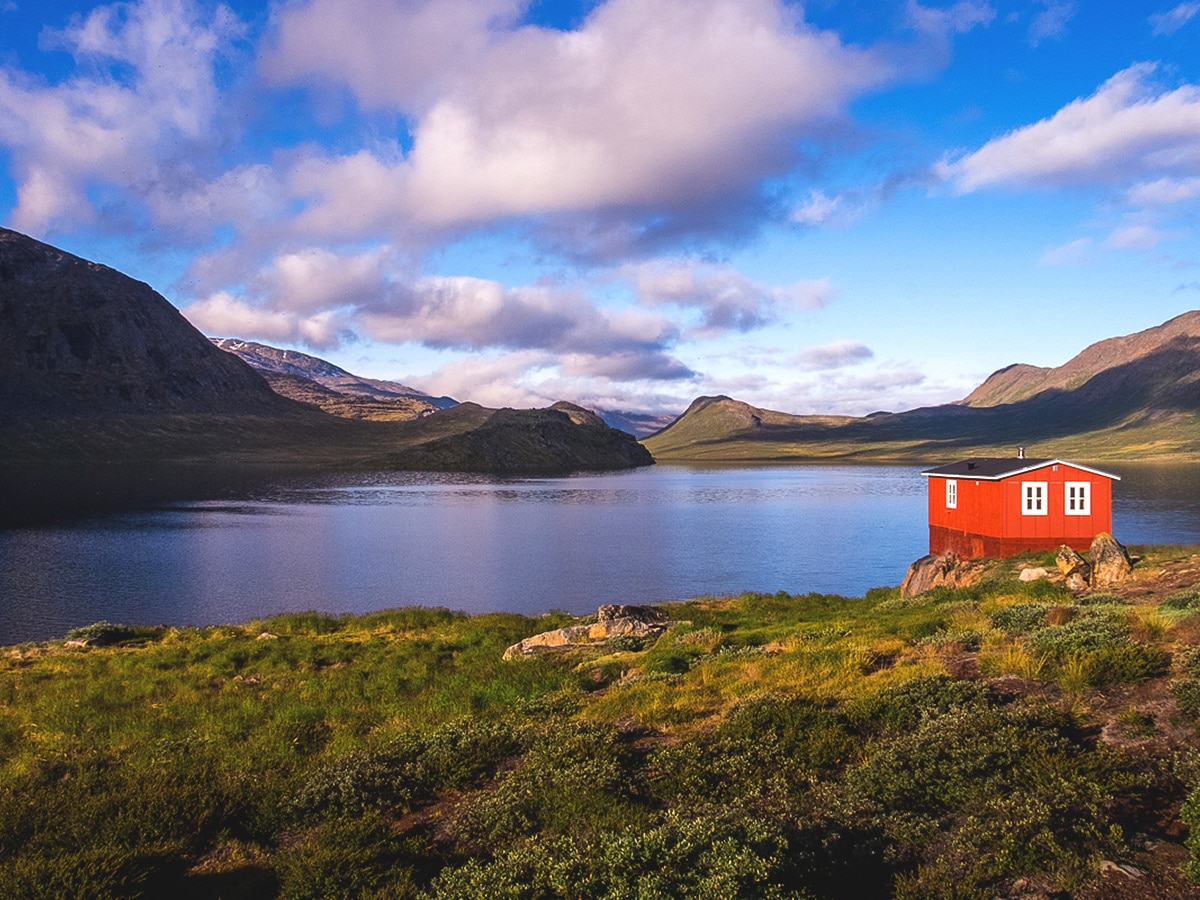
(292, 362)
(1020, 382)
(1131, 397)
(318, 382)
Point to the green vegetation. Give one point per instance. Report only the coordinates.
(947, 746)
(722, 430)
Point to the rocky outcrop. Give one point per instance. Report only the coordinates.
(1109, 559)
(940, 570)
(1076, 571)
(611, 622)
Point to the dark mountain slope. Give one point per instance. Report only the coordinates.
(78, 338)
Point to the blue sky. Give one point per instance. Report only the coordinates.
(831, 207)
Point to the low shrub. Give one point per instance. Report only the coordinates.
(904, 706)
(1187, 696)
(575, 778)
(1020, 617)
(409, 769)
(1102, 599)
(1188, 599)
(1190, 815)
(1103, 648)
(107, 634)
(340, 858)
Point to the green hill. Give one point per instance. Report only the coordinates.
(1136, 397)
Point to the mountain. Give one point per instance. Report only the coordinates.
(96, 367)
(309, 379)
(1132, 397)
(79, 338)
(1020, 382)
(638, 424)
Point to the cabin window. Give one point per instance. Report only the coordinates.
(1033, 495)
(1078, 498)
(951, 494)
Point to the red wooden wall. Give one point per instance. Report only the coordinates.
(988, 520)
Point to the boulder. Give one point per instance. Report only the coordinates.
(651, 615)
(1030, 573)
(1109, 559)
(940, 570)
(1075, 570)
(611, 622)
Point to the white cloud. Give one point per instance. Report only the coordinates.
(532, 378)
(403, 54)
(1126, 130)
(138, 120)
(1052, 21)
(1134, 237)
(1164, 191)
(1173, 19)
(837, 355)
(316, 278)
(665, 104)
(320, 297)
(728, 300)
(1072, 253)
(492, 380)
(960, 18)
(223, 315)
(839, 210)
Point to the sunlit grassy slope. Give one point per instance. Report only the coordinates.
(719, 429)
(764, 746)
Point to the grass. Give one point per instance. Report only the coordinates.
(764, 746)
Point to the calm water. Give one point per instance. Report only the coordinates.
(355, 543)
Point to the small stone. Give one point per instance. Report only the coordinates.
(1076, 583)
(267, 636)
(1033, 574)
(1124, 869)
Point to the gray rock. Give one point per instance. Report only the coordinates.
(611, 622)
(940, 570)
(1110, 561)
(1074, 568)
(651, 615)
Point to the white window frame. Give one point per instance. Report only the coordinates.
(1034, 498)
(1077, 498)
(951, 494)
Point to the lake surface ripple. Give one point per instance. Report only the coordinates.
(361, 542)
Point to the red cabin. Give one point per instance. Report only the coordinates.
(1001, 507)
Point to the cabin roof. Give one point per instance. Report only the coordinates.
(984, 468)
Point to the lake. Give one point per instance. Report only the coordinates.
(361, 542)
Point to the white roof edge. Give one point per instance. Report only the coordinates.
(1049, 462)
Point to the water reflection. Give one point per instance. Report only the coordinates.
(358, 542)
